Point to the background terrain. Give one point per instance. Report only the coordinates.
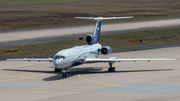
(23, 14)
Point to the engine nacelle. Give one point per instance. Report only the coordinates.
(90, 38)
(106, 50)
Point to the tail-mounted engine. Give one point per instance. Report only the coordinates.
(90, 38)
(106, 50)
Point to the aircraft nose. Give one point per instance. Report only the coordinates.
(57, 63)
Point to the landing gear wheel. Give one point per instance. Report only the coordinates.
(57, 70)
(63, 75)
(111, 69)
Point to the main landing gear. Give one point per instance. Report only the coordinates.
(63, 71)
(111, 69)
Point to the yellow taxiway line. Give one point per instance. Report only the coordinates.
(97, 81)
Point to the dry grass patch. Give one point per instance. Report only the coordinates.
(20, 14)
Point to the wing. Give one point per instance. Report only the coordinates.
(32, 59)
(94, 60)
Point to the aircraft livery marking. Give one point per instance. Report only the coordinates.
(77, 60)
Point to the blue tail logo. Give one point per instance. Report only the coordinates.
(97, 32)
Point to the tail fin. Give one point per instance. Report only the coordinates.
(98, 25)
(97, 31)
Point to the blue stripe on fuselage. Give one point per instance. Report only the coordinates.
(79, 61)
(83, 54)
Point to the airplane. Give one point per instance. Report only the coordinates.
(89, 53)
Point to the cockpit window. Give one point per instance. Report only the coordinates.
(59, 57)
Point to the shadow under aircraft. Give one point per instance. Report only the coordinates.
(76, 71)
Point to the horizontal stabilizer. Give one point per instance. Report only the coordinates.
(103, 18)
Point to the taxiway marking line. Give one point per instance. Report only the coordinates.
(23, 78)
(121, 85)
(79, 82)
(97, 81)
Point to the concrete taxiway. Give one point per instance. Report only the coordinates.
(132, 81)
(27, 37)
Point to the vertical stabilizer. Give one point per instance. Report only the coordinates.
(97, 31)
(92, 39)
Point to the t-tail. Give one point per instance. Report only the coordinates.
(94, 38)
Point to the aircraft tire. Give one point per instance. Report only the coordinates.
(63, 75)
(111, 69)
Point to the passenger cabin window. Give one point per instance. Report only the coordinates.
(59, 57)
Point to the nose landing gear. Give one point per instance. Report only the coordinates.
(63, 71)
(64, 75)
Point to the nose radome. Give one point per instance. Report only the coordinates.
(55, 62)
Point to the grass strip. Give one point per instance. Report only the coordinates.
(115, 41)
(28, 14)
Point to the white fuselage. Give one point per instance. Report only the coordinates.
(75, 56)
